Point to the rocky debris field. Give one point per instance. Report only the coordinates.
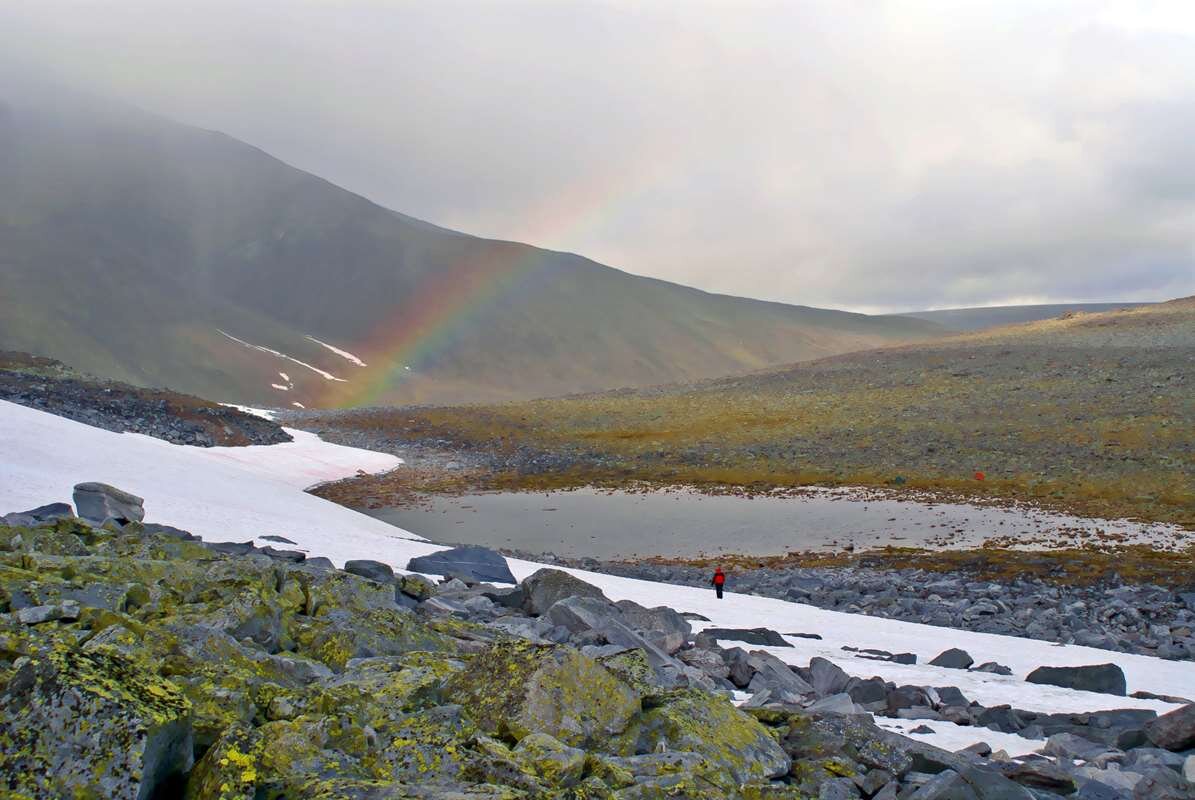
(1112, 615)
(137, 661)
(47, 385)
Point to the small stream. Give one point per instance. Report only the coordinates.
(614, 524)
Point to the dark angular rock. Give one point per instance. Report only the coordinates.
(951, 696)
(1103, 678)
(169, 531)
(275, 538)
(739, 663)
(757, 636)
(474, 563)
(1173, 731)
(98, 502)
(319, 562)
(292, 556)
(373, 570)
(994, 668)
(36, 516)
(953, 658)
(230, 548)
(1039, 774)
(544, 588)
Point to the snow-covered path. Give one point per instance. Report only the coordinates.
(243, 493)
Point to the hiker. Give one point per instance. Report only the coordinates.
(718, 581)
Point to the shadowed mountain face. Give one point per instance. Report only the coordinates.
(151, 252)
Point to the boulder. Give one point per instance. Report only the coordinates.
(544, 588)
(953, 658)
(740, 667)
(757, 636)
(827, 678)
(1103, 678)
(673, 630)
(471, 563)
(550, 761)
(993, 668)
(98, 503)
(739, 748)
(416, 586)
(834, 704)
(579, 613)
(518, 688)
(373, 570)
(92, 724)
(772, 673)
(37, 516)
(1173, 731)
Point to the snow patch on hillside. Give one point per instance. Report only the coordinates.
(345, 354)
(326, 375)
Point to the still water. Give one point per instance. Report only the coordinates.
(603, 524)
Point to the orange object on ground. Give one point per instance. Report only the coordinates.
(979, 476)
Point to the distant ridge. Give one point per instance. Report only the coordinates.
(974, 319)
(139, 249)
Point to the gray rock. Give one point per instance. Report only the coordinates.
(442, 606)
(230, 548)
(1103, 678)
(1068, 745)
(993, 668)
(546, 587)
(1094, 790)
(758, 636)
(1189, 768)
(373, 570)
(740, 667)
(478, 564)
(35, 615)
(98, 502)
(615, 632)
(1173, 731)
(674, 628)
(827, 678)
(951, 696)
(834, 704)
(579, 613)
(946, 785)
(319, 563)
(270, 537)
(953, 658)
(708, 661)
(171, 532)
(772, 673)
(291, 556)
(36, 516)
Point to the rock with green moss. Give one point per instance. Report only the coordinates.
(97, 724)
(740, 749)
(517, 688)
(552, 762)
(632, 666)
(338, 636)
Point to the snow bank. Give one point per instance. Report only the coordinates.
(239, 493)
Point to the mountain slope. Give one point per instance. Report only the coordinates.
(1090, 414)
(974, 319)
(151, 252)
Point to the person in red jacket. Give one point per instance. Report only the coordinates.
(719, 581)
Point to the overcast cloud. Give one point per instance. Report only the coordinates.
(870, 155)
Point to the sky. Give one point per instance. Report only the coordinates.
(879, 155)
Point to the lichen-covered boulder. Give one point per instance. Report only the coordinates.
(416, 586)
(739, 747)
(229, 768)
(519, 688)
(95, 724)
(374, 691)
(338, 636)
(552, 762)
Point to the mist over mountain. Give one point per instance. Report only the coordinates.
(136, 248)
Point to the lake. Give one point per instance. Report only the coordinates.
(611, 525)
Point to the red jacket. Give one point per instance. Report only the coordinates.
(719, 578)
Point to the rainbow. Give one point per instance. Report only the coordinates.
(428, 320)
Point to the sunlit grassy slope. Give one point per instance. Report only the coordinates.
(1095, 413)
